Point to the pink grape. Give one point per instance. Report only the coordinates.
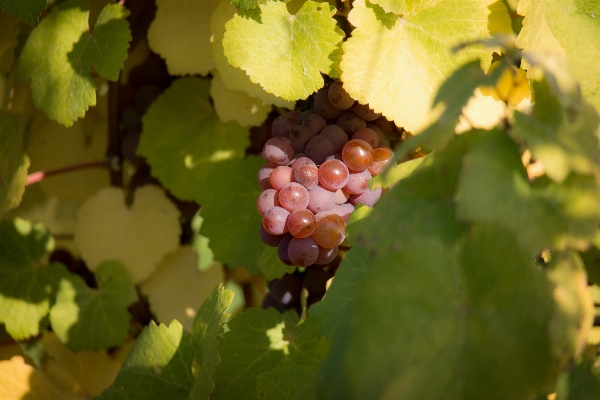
(315, 122)
(267, 200)
(318, 148)
(304, 115)
(350, 122)
(281, 176)
(341, 196)
(381, 142)
(302, 161)
(357, 155)
(307, 175)
(336, 136)
(329, 231)
(263, 177)
(368, 197)
(293, 196)
(284, 123)
(303, 252)
(323, 106)
(338, 97)
(278, 151)
(320, 199)
(333, 174)
(358, 182)
(364, 111)
(381, 158)
(300, 135)
(301, 223)
(268, 239)
(274, 220)
(343, 210)
(326, 255)
(282, 249)
(368, 135)
(387, 127)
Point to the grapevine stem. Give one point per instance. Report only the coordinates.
(35, 177)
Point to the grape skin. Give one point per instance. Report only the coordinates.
(368, 135)
(300, 135)
(357, 155)
(368, 197)
(301, 223)
(329, 231)
(274, 220)
(284, 123)
(350, 122)
(293, 196)
(358, 182)
(303, 252)
(278, 151)
(318, 148)
(326, 255)
(307, 175)
(267, 200)
(281, 176)
(336, 136)
(323, 106)
(363, 111)
(282, 249)
(268, 239)
(320, 199)
(314, 122)
(263, 177)
(333, 174)
(338, 96)
(381, 158)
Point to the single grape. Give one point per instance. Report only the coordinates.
(307, 175)
(343, 210)
(267, 200)
(301, 223)
(338, 97)
(333, 174)
(293, 196)
(268, 239)
(329, 231)
(300, 135)
(350, 122)
(323, 106)
(368, 197)
(270, 301)
(274, 220)
(380, 135)
(387, 127)
(326, 255)
(287, 289)
(263, 177)
(318, 148)
(336, 136)
(315, 122)
(368, 135)
(282, 249)
(303, 252)
(320, 199)
(284, 123)
(364, 111)
(281, 176)
(381, 158)
(335, 156)
(341, 196)
(304, 115)
(315, 281)
(358, 182)
(357, 155)
(278, 151)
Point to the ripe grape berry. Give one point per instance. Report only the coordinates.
(318, 166)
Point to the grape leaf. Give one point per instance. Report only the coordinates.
(498, 19)
(27, 11)
(450, 303)
(396, 173)
(289, 381)
(177, 288)
(60, 52)
(494, 187)
(396, 64)
(92, 319)
(158, 367)
(9, 29)
(13, 164)
(207, 329)
(580, 382)
(200, 243)
(180, 34)
(197, 139)
(233, 105)
(231, 221)
(568, 27)
(234, 78)
(27, 288)
(285, 53)
(563, 141)
(271, 266)
(139, 237)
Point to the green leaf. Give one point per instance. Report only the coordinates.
(494, 187)
(158, 367)
(449, 304)
(395, 174)
(569, 27)
(271, 266)
(229, 194)
(285, 53)
(26, 10)
(208, 328)
(396, 63)
(27, 288)
(9, 29)
(591, 259)
(254, 344)
(61, 51)
(92, 319)
(200, 243)
(563, 141)
(196, 138)
(291, 381)
(13, 164)
(581, 382)
(234, 78)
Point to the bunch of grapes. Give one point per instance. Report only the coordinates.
(319, 163)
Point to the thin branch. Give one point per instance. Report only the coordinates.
(35, 177)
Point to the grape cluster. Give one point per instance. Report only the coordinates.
(318, 166)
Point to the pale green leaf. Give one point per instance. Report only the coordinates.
(180, 34)
(284, 53)
(271, 266)
(233, 105)
(201, 245)
(569, 27)
(498, 20)
(196, 138)
(92, 319)
(396, 64)
(13, 164)
(158, 367)
(60, 52)
(396, 173)
(26, 10)
(234, 78)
